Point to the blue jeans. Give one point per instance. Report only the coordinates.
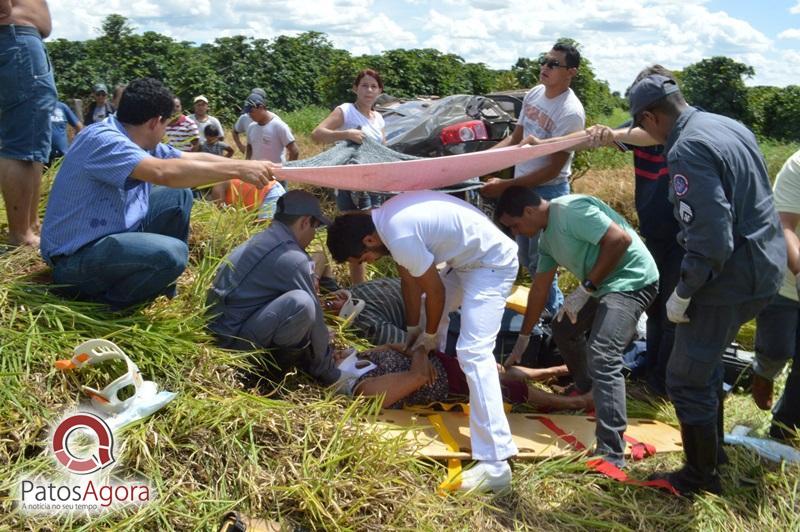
(27, 96)
(124, 269)
(356, 200)
(266, 211)
(596, 363)
(529, 248)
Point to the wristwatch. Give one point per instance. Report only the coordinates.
(588, 285)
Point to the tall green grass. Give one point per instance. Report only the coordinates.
(293, 452)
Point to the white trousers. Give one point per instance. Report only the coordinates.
(481, 293)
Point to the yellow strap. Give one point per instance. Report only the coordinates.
(453, 480)
(447, 407)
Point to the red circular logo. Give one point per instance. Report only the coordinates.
(83, 465)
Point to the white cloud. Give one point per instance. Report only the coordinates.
(619, 37)
(793, 33)
(795, 9)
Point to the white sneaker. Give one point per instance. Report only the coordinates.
(483, 476)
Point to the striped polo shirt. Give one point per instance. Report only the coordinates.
(656, 220)
(93, 194)
(181, 134)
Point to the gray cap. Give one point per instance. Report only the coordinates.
(254, 100)
(260, 91)
(100, 87)
(648, 91)
(301, 203)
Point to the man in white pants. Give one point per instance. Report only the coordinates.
(420, 230)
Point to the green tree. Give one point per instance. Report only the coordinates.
(717, 85)
(782, 114)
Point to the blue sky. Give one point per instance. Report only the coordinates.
(619, 37)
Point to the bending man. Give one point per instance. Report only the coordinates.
(420, 230)
(619, 281)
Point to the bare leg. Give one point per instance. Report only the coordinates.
(522, 373)
(34, 199)
(551, 401)
(218, 192)
(20, 182)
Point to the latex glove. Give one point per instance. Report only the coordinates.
(573, 304)
(797, 283)
(519, 348)
(426, 341)
(676, 308)
(412, 333)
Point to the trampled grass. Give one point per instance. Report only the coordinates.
(299, 455)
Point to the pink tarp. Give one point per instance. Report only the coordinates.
(422, 173)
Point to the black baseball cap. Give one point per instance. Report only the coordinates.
(254, 100)
(648, 91)
(301, 203)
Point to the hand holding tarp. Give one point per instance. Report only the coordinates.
(257, 173)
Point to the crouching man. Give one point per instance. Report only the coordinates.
(420, 230)
(264, 295)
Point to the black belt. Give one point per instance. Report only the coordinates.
(19, 30)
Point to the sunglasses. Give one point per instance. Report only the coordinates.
(552, 63)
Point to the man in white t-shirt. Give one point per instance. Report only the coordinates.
(420, 230)
(203, 119)
(778, 325)
(550, 109)
(244, 120)
(268, 135)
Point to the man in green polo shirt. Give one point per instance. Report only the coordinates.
(619, 281)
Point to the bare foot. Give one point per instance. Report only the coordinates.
(27, 239)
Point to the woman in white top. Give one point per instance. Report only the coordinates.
(353, 122)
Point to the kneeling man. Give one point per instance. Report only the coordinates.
(109, 233)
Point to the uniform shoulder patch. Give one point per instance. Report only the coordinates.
(686, 212)
(680, 184)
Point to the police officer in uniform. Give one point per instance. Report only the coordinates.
(734, 261)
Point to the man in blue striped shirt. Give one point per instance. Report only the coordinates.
(109, 233)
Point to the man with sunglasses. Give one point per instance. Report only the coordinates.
(264, 295)
(734, 261)
(109, 233)
(550, 109)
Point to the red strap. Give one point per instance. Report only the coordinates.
(610, 470)
(555, 429)
(605, 467)
(639, 450)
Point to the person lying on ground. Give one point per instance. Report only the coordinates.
(109, 233)
(417, 379)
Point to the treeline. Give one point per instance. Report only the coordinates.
(308, 70)
(295, 71)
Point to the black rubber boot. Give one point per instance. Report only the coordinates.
(699, 473)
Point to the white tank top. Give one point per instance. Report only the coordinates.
(372, 127)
